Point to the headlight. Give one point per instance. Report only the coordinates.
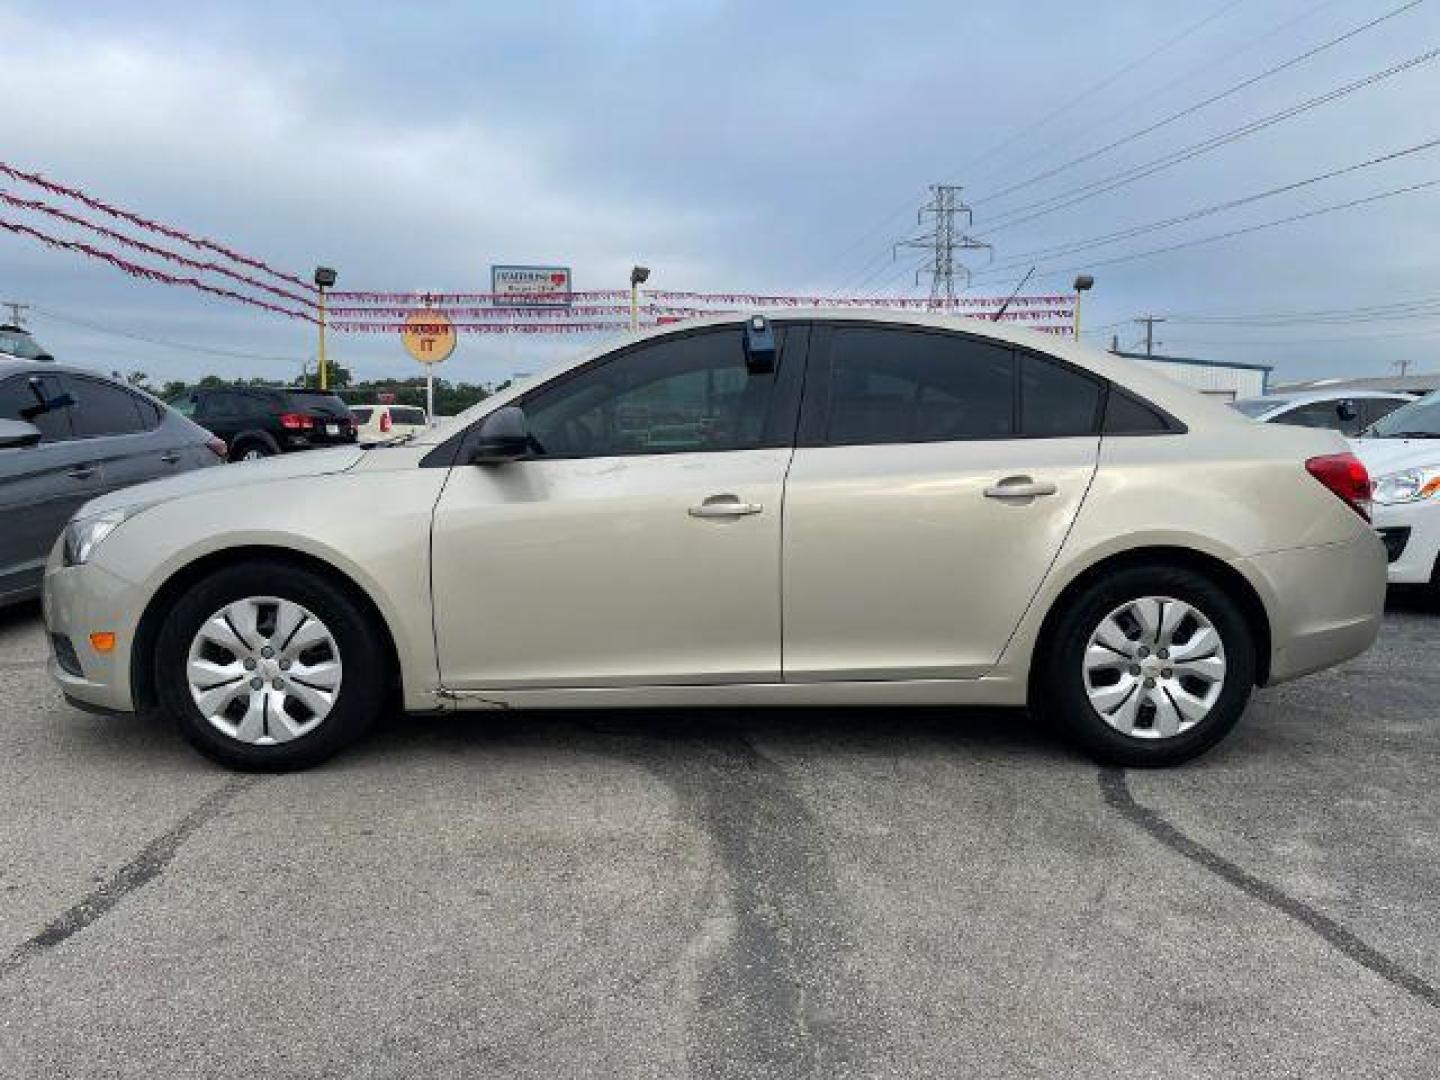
(83, 535)
(1408, 486)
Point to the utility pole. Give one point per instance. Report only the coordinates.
(1403, 366)
(1149, 321)
(942, 241)
(17, 313)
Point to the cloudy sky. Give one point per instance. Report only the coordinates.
(740, 146)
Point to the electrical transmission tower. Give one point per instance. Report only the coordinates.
(942, 241)
(17, 312)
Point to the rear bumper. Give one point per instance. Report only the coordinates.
(1415, 562)
(1325, 603)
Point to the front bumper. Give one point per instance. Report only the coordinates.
(79, 601)
(1325, 603)
(1415, 563)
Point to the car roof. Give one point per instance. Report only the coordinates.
(1305, 397)
(11, 366)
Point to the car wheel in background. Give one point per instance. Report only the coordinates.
(265, 666)
(250, 450)
(1152, 665)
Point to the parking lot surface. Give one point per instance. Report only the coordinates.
(753, 894)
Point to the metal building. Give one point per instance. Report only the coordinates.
(1227, 380)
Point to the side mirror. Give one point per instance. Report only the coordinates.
(18, 433)
(1347, 412)
(502, 436)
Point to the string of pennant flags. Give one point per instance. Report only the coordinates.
(219, 271)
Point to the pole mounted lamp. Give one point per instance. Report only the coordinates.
(638, 276)
(1083, 284)
(325, 278)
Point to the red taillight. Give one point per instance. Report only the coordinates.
(216, 446)
(295, 421)
(1347, 477)
(384, 422)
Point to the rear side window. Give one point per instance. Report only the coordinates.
(315, 402)
(1126, 414)
(104, 409)
(19, 402)
(362, 415)
(403, 414)
(1055, 400)
(900, 386)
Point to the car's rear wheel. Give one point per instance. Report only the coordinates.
(269, 666)
(1149, 666)
(251, 450)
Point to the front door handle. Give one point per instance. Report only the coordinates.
(1019, 487)
(82, 472)
(724, 506)
(171, 457)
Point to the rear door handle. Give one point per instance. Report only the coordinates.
(170, 457)
(1019, 487)
(82, 472)
(724, 506)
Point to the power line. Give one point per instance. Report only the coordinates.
(100, 329)
(1064, 200)
(1216, 237)
(1424, 308)
(1228, 92)
(1077, 246)
(1095, 88)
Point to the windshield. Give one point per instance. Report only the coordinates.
(1256, 406)
(17, 342)
(1419, 419)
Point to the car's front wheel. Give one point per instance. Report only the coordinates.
(1149, 666)
(269, 666)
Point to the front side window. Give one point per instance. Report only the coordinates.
(18, 401)
(900, 386)
(687, 393)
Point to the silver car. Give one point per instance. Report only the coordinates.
(834, 508)
(68, 436)
(1346, 411)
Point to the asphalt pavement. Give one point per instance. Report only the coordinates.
(817, 893)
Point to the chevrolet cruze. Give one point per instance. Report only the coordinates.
(833, 508)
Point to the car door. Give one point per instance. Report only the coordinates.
(108, 419)
(640, 544)
(935, 477)
(40, 485)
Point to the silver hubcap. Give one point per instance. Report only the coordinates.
(264, 670)
(251, 455)
(1154, 668)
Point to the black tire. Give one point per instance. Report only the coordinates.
(363, 688)
(1058, 693)
(246, 447)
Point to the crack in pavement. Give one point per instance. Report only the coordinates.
(1119, 797)
(145, 867)
(777, 994)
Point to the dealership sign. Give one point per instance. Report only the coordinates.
(530, 286)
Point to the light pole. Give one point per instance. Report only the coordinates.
(638, 276)
(1083, 284)
(324, 279)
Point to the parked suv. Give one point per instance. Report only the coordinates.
(840, 508)
(67, 436)
(258, 421)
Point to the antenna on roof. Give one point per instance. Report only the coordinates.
(1005, 306)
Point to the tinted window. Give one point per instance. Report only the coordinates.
(19, 402)
(1055, 400)
(218, 405)
(687, 393)
(103, 409)
(361, 415)
(1127, 415)
(402, 414)
(184, 406)
(1319, 414)
(315, 402)
(255, 406)
(895, 386)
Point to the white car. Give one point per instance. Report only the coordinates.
(839, 508)
(1346, 411)
(388, 421)
(1402, 454)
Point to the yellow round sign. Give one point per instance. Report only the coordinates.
(429, 336)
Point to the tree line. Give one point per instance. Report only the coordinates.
(450, 397)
